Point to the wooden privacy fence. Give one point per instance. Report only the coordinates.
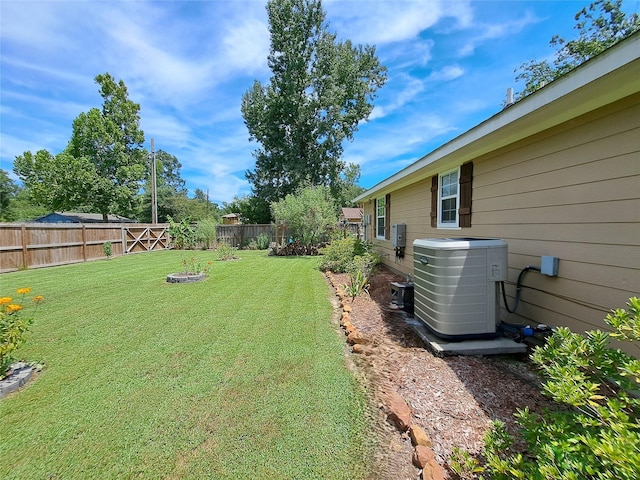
(240, 235)
(28, 245)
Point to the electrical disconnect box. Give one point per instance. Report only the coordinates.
(398, 234)
(549, 266)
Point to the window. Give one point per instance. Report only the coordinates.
(448, 203)
(451, 198)
(381, 211)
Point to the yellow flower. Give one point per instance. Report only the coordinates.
(38, 298)
(5, 300)
(22, 291)
(12, 307)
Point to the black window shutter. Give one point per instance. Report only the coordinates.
(434, 201)
(466, 180)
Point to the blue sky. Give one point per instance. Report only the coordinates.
(188, 63)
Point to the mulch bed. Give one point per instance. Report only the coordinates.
(454, 399)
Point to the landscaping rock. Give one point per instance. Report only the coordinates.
(358, 337)
(419, 437)
(399, 413)
(362, 349)
(422, 456)
(349, 328)
(433, 471)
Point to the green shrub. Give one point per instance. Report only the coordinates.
(263, 241)
(340, 253)
(205, 232)
(107, 249)
(224, 251)
(183, 235)
(596, 433)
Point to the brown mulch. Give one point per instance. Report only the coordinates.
(454, 399)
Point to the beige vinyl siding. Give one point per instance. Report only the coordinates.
(572, 192)
(410, 206)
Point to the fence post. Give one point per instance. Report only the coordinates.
(25, 251)
(84, 243)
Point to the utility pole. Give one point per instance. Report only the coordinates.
(154, 195)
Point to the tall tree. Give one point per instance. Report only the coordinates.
(319, 91)
(200, 207)
(595, 34)
(251, 209)
(8, 191)
(168, 167)
(56, 182)
(112, 140)
(348, 186)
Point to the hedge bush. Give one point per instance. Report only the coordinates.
(597, 432)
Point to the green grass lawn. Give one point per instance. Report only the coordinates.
(239, 376)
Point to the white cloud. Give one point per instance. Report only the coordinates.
(381, 22)
(450, 72)
(169, 77)
(165, 128)
(246, 46)
(397, 139)
(10, 147)
(497, 30)
(34, 25)
(405, 89)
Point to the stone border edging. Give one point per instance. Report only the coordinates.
(20, 374)
(398, 411)
(185, 278)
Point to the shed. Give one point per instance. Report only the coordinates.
(231, 219)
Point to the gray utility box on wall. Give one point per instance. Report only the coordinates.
(398, 235)
(456, 285)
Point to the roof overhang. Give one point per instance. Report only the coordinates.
(604, 79)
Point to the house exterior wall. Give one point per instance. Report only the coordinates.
(572, 192)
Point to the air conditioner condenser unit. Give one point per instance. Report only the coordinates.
(457, 285)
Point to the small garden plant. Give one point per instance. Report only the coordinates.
(261, 242)
(226, 252)
(107, 249)
(360, 270)
(14, 326)
(193, 266)
(596, 431)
